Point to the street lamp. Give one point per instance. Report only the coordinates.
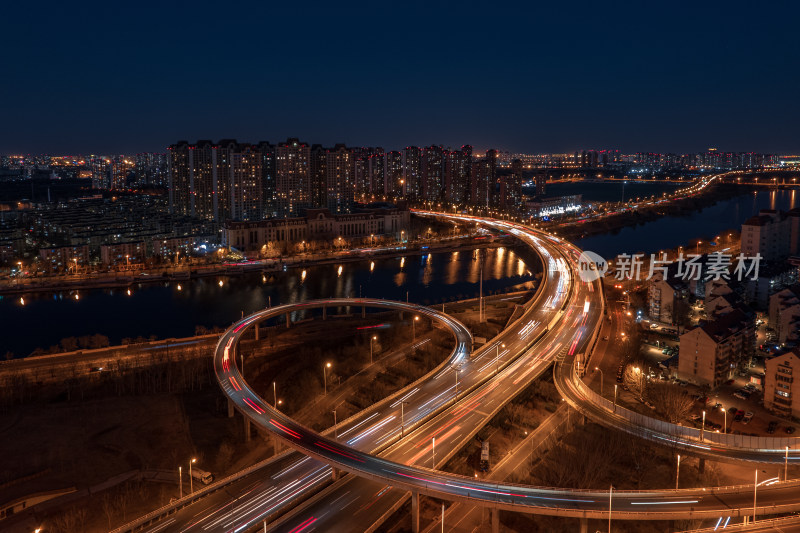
(433, 452)
(335, 429)
(180, 482)
(497, 358)
(786, 465)
(678, 472)
(191, 485)
(725, 427)
(703, 427)
(325, 377)
(414, 327)
(371, 342)
(601, 379)
(615, 397)
(402, 417)
(275, 395)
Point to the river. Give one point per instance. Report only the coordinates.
(174, 309)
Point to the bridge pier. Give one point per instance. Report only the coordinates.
(584, 525)
(256, 330)
(324, 312)
(230, 408)
(246, 429)
(363, 311)
(335, 474)
(288, 320)
(414, 511)
(495, 520)
(701, 467)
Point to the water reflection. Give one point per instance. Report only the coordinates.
(673, 231)
(174, 309)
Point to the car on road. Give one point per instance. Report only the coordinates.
(732, 410)
(789, 430)
(739, 415)
(748, 416)
(771, 427)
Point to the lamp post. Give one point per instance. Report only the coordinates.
(191, 485)
(180, 482)
(615, 397)
(601, 379)
(414, 327)
(786, 465)
(678, 472)
(755, 492)
(725, 427)
(456, 396)
(610, 494)
(433, 452)
(402, 417)
(497, 358)
(371, 341)
(335, 429)
(275, 396)
(325, 368)
(703, 427)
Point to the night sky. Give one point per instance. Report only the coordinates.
(110, 77)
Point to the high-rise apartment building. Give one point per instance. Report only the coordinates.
(412, 173)
(268, 154)
(319, 175)
(293, 182)
(223, 181)
(433, 174)
(340, 166)
(511, 188)
(376, 170)
(394, 174)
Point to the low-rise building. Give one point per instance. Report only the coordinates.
(663, 298)
(780, 386)
(711, 352)
(784, 314)
(319, 225)
(67, 257)
(123, 253)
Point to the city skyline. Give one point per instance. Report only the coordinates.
(522, 80)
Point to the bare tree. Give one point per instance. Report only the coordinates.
(671, 402)
(109, 505)
(635, 378)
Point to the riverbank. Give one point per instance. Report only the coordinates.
(106, 280)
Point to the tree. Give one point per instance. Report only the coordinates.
(671, 401)
(635, 378)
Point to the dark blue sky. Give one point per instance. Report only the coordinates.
(646, 76)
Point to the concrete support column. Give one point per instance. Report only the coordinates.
(256, 330)
(230, 408)
(247, 429)
(584, 525)
(335, 474)
(288, 320)
(324, 312)
(363, 312)
(414, 512)
(495, 520)
(701, 467)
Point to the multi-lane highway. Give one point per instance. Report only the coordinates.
(406, 473)
(562, 321)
